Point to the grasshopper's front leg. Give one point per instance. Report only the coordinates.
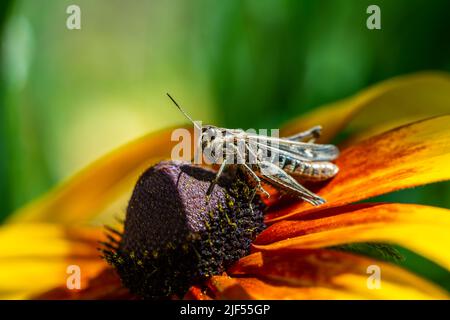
(216, 179)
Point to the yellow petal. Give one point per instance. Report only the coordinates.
(405, 157)
(384, 106)
(422, 229)
(343, 273)
(35, 257)
(100, 184)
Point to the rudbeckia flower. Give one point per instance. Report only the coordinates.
(398, 136)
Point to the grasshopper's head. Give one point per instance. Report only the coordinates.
(211, 137)
(213, 142)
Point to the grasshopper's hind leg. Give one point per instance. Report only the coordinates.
(279, 178)
(311, 134)
(253, 174)
(258, 182)
(249, 170)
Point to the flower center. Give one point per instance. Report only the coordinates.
(176, 236)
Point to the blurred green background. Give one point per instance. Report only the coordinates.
(69, 96)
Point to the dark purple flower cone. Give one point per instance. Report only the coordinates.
(176, 236)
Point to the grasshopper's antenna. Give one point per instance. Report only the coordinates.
(185, 114)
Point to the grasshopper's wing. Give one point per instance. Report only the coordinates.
(310, 151)
(279, 178)
(304, 152)
(297, 150)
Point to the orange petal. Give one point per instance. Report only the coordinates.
(105, 286)
(196, 293)
(99, 185)
(384, 106)
(262, 290)
(225, 287)
(256, 288)
(423, 229)
(408, 156)
(35, 257)
(324, 272)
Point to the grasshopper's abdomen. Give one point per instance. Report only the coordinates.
(310, 170)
